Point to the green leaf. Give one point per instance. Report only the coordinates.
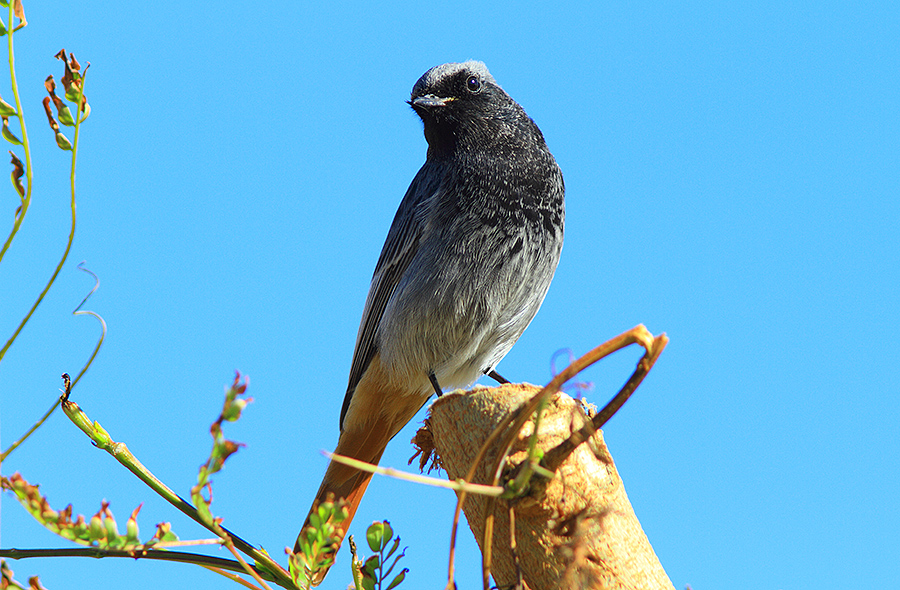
(388, 533)
(374, 536)
(202, 508)
(6, 109)
(170, 537)
(368, 573)
(399, 578)
(393, 548)
(385, 574)
(378, 535)
(8, 135)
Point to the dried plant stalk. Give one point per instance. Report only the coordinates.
(576, 531)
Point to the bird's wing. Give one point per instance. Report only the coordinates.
(399, 249)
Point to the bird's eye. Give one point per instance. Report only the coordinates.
(473, 84)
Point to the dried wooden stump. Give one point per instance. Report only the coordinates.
(576, 531)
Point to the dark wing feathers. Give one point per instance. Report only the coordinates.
(399, 249)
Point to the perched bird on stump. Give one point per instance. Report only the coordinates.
(464, 269)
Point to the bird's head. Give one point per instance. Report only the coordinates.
(458, 98)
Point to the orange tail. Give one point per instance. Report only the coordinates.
(378, 411)
(346, 482)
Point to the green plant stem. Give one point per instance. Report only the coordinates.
(229, 544)
(78, 121)
(158, 554)
(26, 199)
(65, 255)
(121, 453)
(84, 369)
(52, 280)
(22, 439)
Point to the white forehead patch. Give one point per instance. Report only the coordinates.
(437, 73)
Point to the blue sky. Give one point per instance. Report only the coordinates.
(732, 179)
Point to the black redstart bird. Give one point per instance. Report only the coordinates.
(465, 267)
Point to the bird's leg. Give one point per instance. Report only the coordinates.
(497, 377)
(434, 383)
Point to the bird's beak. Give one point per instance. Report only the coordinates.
(430, 101)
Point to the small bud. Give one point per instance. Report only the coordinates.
(74, 89)
(164, 532)
(233, 410)
(96, 528)
(63, 142)
(131, 528)
(112, 529)
(132, 534)
(80, 528)
(99, 431)
(20, 14)
(18, 483)
(65, 115)
(48, 514)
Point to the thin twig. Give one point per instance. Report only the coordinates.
(84, 369)
(233, 577)
(156, 554)
(451, 585)
(247, 568)
(637, 335)
(79, 311)
(31, 430)
(186, 543)
(487, 546)
(514, 547)
(558, 454)
(457, 486)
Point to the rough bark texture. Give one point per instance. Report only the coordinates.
(577, 531)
